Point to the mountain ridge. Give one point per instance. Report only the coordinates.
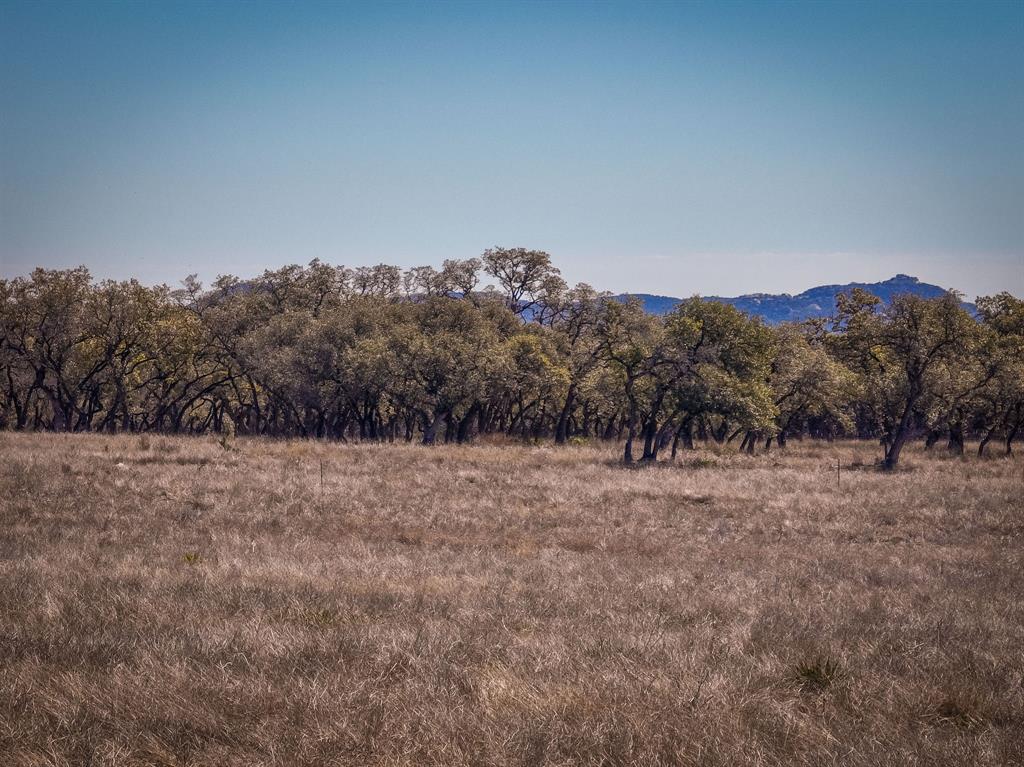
(818, 301)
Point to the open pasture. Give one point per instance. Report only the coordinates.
(176, 601)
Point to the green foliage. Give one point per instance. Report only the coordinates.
(380, 354)
(913, 356)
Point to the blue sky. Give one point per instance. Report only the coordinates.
(668, 148)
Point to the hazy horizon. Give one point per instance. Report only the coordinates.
(485, 280)
(720, 149)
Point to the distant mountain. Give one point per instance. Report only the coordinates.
(816, 302)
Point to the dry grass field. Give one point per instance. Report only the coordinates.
(167, 601)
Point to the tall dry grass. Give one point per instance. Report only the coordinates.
(169, 601)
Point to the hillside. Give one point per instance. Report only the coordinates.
(815, 302)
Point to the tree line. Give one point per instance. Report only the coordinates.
(427, 354)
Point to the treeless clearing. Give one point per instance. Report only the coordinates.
(168, 601)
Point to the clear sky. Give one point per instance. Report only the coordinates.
(667, 148)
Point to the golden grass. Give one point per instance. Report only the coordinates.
(167, 601)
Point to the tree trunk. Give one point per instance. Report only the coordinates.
(627, 454)
(430, 433)
(955, 444)
(956, 440)
(465, 431)
(650, 433)
(985, 440)
(609, 432)
(893, 450)
(899, 437)
(687, 433)
(684, 434)
(587, 415)
(562, 429)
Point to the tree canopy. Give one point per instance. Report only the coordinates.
(378, 353)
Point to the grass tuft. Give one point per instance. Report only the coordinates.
(816, 675)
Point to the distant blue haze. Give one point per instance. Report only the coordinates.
(815, 302)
